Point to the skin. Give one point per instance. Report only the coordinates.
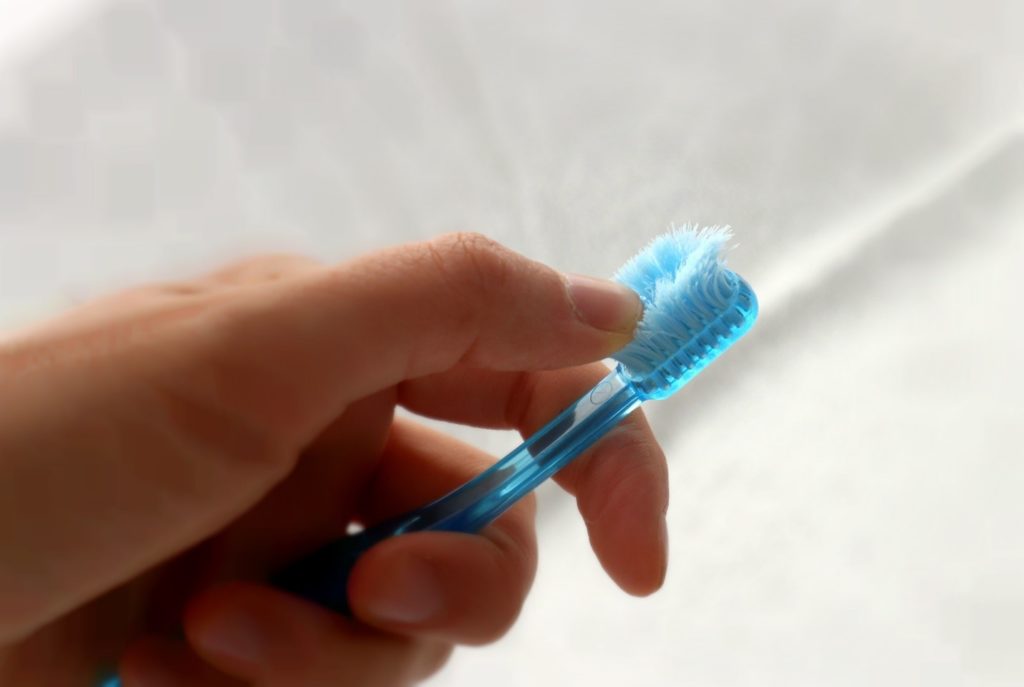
(163, 449)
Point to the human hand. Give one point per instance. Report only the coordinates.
(164, 449)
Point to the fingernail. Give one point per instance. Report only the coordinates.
(234, 636)
(604, 304)
(411, 594)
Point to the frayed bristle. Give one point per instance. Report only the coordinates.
(694, 307)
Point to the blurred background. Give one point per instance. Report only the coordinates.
(848, 483)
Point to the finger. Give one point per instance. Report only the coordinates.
(296, 352)
(154, 661)
(621, 483)
(269, 638)
(464, 588)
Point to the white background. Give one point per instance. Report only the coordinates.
(848, 486)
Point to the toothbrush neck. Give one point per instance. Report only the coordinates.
(575, 429)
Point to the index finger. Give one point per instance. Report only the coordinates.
(620, 484)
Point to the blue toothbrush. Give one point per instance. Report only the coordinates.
(694, 309)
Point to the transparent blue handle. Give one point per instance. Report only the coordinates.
(322, 576)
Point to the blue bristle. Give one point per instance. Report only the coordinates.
(694, 308)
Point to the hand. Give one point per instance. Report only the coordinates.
(164, 449)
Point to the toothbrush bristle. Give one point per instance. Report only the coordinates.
(694, 308)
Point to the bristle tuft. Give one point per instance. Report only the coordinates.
(690, 302)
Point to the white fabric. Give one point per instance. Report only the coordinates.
(847, 483)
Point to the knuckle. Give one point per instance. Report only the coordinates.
(641, 480)
(473, 260)
(607, 481)
(469, 242)
(473, 271)
(143, 299)
(179, 288)
(263, 268)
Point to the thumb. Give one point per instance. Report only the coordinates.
(303, 350)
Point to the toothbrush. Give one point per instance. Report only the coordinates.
(694, 309)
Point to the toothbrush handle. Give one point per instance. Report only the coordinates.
(322, 576)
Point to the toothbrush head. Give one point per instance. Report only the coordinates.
(694, 308)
